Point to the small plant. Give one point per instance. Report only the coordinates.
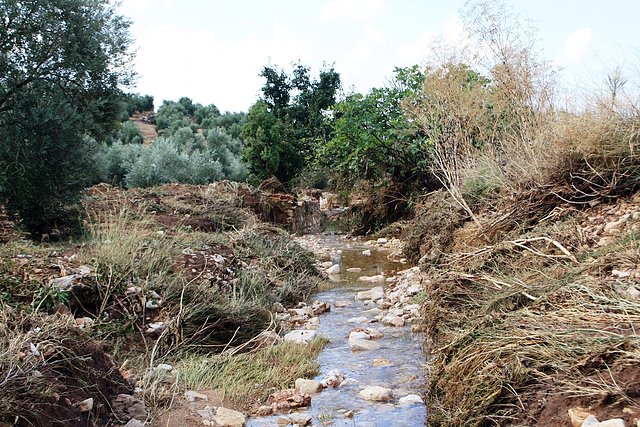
(47, 297)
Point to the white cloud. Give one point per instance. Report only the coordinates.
(358, 10)
(577, 44)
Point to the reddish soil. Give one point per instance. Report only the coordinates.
(551, 410)
(147, 130)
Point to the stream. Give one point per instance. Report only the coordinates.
(402, 371)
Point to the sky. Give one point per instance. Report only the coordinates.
(212, 51)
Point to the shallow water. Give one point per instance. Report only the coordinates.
(398, 345)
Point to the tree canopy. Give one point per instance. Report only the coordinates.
(62, 66)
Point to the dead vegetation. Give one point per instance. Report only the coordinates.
(165, 274)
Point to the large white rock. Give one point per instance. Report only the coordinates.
(372, 279)
(308, 386)
(334, 269)
(410, 400)
(300, 419)
(614, 422)
(359, 344)
(376, 393)
(301, 336)
(372, 294)
(229, 418)
(396, 321)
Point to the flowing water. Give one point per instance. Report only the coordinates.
(342, 406)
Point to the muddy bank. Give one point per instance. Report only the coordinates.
(532, 312)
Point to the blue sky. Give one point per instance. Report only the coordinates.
(212, 51)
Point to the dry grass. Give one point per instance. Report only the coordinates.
(508, 322)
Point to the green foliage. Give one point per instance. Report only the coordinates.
(171, 117)
(61, 65)
(373, 139)
(285, 127)
(114, 161)
(138, 103)
(164, 162)
(46, 162)
(129, 133)
(269, 149)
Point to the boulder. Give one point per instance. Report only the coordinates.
(372, 279)
(301, 336)
(410, 400)
(376, 393)
(291, 398)
(614, 422)
(298, 418)
(358, 344)
(372, 294)
(221, 417)
(333, 379)
(126, 407)
(308, 386)
(334, 269)
(395, 321)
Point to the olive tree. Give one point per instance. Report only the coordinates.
(62, 66)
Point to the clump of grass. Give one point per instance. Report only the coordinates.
(280, 269)
(248, 379)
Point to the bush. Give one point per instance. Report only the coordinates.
(129, 133)
(45, 162)
(164, 163)
(114, 161)
(138, 103)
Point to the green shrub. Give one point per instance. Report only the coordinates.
(129, 133)
(113, 162)
(163, 163)
(46, 162)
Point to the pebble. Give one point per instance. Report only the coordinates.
(380, 362)
(192, 396)
(85, 405)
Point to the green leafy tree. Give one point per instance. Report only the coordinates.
(61, 65)
(373, 139)
(173, 116)
(269, 148)
(135, 103)
(283, 144)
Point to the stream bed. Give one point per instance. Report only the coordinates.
(399, 360)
